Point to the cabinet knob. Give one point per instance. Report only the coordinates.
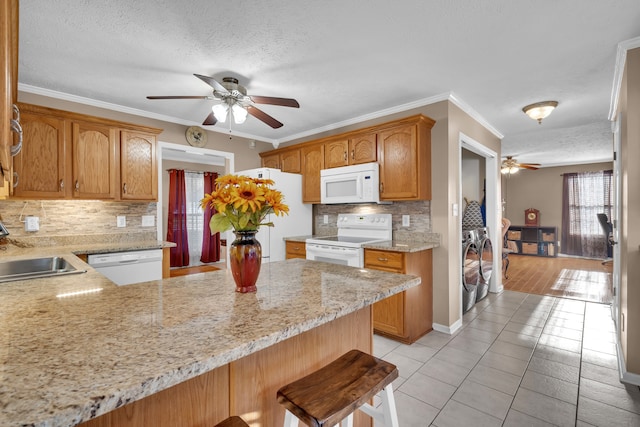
(353, 154)
(61, 184)
(383, 259)
(345, 155)
(77, 186)
(382, 187)
(124, 188)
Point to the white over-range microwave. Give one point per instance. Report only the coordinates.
(350, 184)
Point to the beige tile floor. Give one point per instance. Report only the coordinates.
(519, 360)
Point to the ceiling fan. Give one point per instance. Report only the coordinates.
(509, 166)
(234, 99)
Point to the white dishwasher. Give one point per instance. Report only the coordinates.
(127, 268)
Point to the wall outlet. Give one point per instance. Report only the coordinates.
(121, 221)
(148, 220)
(325, 219)
(31, 223)
(405, 220)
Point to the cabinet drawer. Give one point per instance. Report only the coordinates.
(295, 250)
(384, 259)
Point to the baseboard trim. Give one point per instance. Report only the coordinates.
(448, 329)
(625, 376)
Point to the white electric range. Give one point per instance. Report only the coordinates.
(354, 231)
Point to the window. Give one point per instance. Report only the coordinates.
(585, 195)
(194, 184)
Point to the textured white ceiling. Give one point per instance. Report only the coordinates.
(343, 60)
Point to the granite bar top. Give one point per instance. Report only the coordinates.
(75, 347)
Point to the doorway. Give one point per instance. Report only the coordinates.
(190, 159)
(487, 164)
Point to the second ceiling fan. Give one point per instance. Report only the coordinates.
(235, 101)
(510, 165)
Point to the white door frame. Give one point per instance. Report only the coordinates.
(189, 154)
(492, 207)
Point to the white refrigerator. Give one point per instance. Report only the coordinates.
(297, 223)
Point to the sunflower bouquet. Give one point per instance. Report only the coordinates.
(242, 203)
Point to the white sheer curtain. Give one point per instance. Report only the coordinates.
(195, 191)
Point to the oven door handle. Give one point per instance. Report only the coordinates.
(323, 249)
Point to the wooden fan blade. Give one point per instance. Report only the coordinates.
(213, 83)
(261, 115)
(210, 120)
(285, 102)
(528, 166)
(179, 97)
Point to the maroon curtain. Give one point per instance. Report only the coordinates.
(177, 219)
(210, 243)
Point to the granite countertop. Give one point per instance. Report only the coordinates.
(75, 347)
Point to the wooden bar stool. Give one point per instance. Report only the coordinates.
(234, 421)
(332, 393)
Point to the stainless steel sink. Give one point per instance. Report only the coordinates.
(24, 269)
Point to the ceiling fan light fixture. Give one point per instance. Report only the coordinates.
(540, 110)
(220, 111)
(239, 113)
(508, 170)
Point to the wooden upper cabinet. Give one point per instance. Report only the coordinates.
(9, 23)
(94, 161)
(39, 168)
(272, 161)
(312, 164)
(336, 153)
(286, 161)
(405, 160)
(363, 148)
(138, 170)
(357, 149)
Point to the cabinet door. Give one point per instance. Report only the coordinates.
(8, 80)
(138, 170)
(94, 161)
(290, 161)
(388, 314)
(312, 164)
(40, 166)
(336, 153)
(399, 163)
(272, 161)
(363, 148)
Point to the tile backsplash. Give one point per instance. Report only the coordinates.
(77, 217)
(419, 218)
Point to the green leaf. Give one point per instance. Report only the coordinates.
(219, 223)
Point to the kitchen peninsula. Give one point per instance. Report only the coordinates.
(183, 351)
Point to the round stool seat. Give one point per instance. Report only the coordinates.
(234, 421)
(334, 392)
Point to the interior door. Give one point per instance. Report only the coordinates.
(615, 307)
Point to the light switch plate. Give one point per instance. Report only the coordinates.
(121, 221)
(325, 219)
(405, 220)
(148, 220)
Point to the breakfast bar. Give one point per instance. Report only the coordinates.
(185, 351)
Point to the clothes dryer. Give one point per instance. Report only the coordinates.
(470, 269)
(485, 255)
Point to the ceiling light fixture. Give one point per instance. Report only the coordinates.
(508, 170)
(221, 111)
(540, 110)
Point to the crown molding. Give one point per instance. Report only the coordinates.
(450, 96)
(621, 58)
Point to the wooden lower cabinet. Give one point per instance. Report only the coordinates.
(407, 316)
(295, 250)
(247, 387)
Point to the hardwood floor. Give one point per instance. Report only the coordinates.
(191, 270)
(576, 278)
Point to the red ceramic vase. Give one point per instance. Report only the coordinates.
(245, 256)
